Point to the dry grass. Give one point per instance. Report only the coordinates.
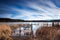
(44, 33)
(5, 32)
(48, 33)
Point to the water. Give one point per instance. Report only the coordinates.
(35, 25)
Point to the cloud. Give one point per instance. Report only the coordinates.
(43, 13)
(33, 10)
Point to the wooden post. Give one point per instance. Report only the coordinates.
(52, 24)
(20, 32)
(31, 30)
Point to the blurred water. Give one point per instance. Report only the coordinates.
(35, 25)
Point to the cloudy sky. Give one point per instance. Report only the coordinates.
(30, 9)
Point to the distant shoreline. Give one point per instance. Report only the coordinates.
(19, 20)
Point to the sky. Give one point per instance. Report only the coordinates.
(30, 9)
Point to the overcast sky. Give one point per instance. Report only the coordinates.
(30, 9)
